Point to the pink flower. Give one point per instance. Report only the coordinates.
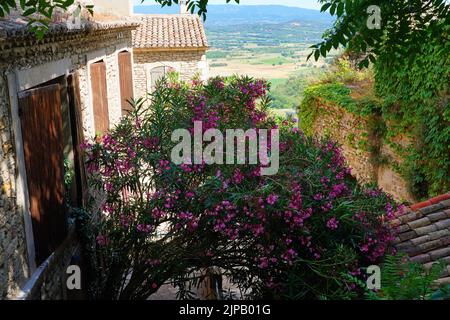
(145, 228)
(164, 164)
(318, 197)
(238, 176)
(102, 240)
(190, 194)
(263, 263)
(272, 198)
(333, 223)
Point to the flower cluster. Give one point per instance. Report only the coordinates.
(194, 216)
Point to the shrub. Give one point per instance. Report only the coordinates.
(403, 279)
(296, 234)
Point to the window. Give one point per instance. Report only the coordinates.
(156, 74)
(126, 80)
(99, 97)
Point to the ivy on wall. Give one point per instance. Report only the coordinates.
(413, 103)
(316, 102)
(416, 104)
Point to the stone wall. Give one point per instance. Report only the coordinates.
(19, 57)
(352, 132)
(347, 129)
(13, 251)
(50, 281)
(187, 63)
(81, 49)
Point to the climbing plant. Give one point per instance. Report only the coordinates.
(416, 104)
(410, 50)
(379, 27)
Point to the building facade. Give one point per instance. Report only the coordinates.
(169, 42)
(54, 93)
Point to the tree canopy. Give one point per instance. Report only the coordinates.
(366, 26)
(372, 27)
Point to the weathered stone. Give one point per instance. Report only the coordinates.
(187, 63)
(349, 130)
(24, 55)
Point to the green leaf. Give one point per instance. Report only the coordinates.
(29, 12)
(340, 9)
(325, 7)
(316, 54)
(333, 9)
(323, 51)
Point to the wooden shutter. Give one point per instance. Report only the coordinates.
(156, 74)
(40, 115)
(76, 123)
(99, 97)
(126, 80)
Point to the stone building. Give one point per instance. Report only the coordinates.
(168, 42)
(54, 92)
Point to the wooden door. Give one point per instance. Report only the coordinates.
(99, 97)
(40, 116)
(126, 81)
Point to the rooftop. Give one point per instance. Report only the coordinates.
(424, 233)
(169, 31)
(15, 25)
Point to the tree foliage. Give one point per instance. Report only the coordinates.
(199, 6)
(38, 12)
(404, 25)
(290, 235)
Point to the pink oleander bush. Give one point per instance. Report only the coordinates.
(298, 234)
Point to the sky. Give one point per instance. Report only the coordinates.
(309, 4)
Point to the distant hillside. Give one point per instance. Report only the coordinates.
(239, 14)
(279, 37)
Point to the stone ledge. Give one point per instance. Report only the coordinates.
(32, 288)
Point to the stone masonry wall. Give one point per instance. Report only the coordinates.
(13, 251)
(346, 129)
(22, 54)
(81, 49)
(51, 284)
(188, 63)
(351, 132)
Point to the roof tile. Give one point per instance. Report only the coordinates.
(169, 31)
(423, 232)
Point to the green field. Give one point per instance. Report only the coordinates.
(273, 51)
(272, 61)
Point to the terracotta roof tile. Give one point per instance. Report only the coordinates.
(169, 31)
(431, 201)
(423, 232)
